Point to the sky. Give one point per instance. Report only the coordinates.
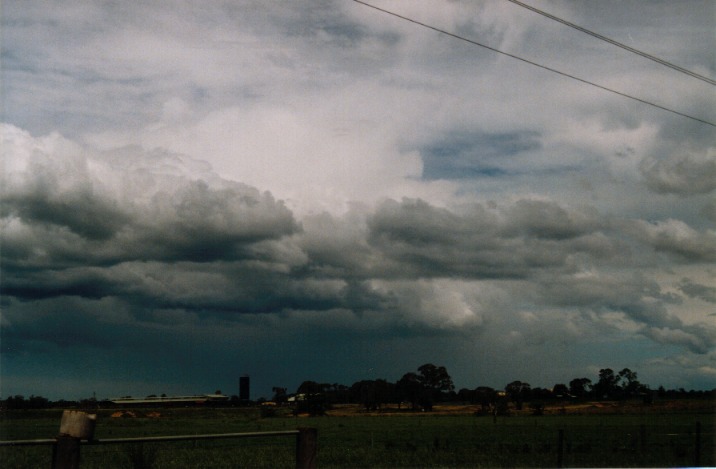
(316, 190)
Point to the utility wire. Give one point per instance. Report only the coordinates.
(544, 67)
(616, 43)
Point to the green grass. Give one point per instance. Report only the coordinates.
(646, 440)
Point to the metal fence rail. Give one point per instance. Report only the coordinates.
(66, 449)
(214, 436)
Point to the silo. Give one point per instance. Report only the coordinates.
(244, 388)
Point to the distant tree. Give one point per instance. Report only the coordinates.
(560, 390)
(372, 394)
(337, 393)
(310, 398)
(436, 379)
(37, 402)
(279, 395)
(486, 397)
(541, 393)
(309, 388)
(580, 387)
(606, 387)
(466, 395)
(630, 385)
(16, 402)
(409, 388)
(518, 392)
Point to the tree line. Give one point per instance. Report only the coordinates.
(432, 384)
(422, 389)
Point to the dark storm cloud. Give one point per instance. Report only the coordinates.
(548, 220)
(188, 222)
(676, 238)
(695, 338)
(638, 298)
(65, 322)
(80, 212)
(150, 236)
(523, 239)
(158, 241)
(683, 174)
(536, 241)
(696, 290)
(423, 240)
(199, 223)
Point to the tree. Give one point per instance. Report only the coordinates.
(436, 379)
(486, 397)
(518, 392)
(309, 388)
(38, 402)
(630, 385)
(466, 395)
(606, 387)
(280, 395)
(339, 393)
(311, 398)
(16, 402)
(372, 394)
(409, 388)
(560, 390)
(580, 387)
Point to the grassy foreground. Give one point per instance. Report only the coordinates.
(451, 437)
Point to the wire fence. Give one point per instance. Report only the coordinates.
(520, 445)
(411, 442)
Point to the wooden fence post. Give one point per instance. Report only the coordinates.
(78, 424)
(306, 448)
(74, 427)
(66, 453)
(642, 438)
(697, 446)
(560, 447)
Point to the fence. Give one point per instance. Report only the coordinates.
(451, 441)
(77, 428)
(456, 441)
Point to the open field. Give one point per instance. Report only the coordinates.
(595, 435)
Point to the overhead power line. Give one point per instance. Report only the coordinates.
(544, 67)
(616, 43)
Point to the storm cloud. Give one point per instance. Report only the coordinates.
(314, 191)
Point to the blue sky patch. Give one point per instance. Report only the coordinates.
(478, 154)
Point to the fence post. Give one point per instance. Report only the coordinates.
(642, 438)
(560, 447)
(697, 448)
(78, 424)
(74, 426)
(66, 453)
(306, 448)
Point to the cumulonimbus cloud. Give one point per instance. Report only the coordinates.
(147, 241)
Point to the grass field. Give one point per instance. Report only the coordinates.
(451, 437)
